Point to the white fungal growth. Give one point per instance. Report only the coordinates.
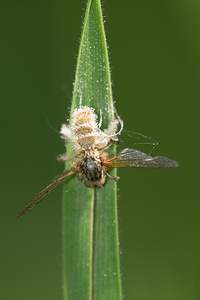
(85, 132)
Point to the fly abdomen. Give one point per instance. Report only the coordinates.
(85, 128)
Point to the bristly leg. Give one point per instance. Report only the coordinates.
(110, 176)
(64, 157)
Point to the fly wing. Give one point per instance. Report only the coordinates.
(137, 159)
(38, 198)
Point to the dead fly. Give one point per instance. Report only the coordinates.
(91, 161)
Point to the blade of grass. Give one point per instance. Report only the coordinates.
(91, 247)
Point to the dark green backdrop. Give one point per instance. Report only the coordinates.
(154, 53)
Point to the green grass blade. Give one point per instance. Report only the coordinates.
(91, 253)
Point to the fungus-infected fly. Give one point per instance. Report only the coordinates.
(91, 162)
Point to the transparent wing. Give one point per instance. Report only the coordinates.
(38, 198)
(137, 159)
(135, 139)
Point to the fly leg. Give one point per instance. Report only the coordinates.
(110, 176)
(64, 157)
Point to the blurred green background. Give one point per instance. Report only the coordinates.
(154, 49)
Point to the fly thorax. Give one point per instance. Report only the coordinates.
(92, 169)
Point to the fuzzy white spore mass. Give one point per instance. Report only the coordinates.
(85, 131)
